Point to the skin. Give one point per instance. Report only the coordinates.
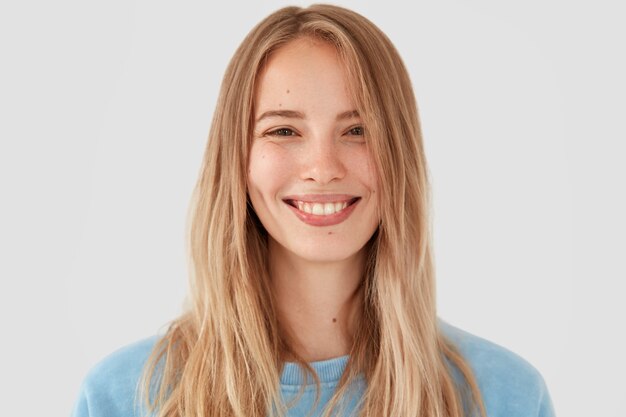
(316, 271)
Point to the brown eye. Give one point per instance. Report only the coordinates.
(356, 131)
(283, 131)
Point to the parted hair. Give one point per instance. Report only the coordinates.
(224, 355)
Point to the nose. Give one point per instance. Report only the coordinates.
(322, 162)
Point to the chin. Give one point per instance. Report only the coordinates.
(326, 254)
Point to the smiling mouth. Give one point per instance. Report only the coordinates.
(321, 209)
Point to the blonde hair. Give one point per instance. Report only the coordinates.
(225, 354)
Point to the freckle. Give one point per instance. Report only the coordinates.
(334, 320)
(280, 104)
(287, 91)
(330, 233)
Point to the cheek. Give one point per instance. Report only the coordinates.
(267, 171)
(364, 167)
(372, 173)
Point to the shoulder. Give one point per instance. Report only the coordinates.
(509, 384)
(110, 387)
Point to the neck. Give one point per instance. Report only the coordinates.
(318, 303)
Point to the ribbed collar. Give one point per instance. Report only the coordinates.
(329, 370)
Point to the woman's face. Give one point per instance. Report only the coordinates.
(311, 179)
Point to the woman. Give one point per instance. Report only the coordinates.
(313, 285)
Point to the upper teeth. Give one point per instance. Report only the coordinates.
(321, 209)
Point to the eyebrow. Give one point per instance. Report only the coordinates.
(293, 114)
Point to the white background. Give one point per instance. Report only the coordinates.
(105, 109)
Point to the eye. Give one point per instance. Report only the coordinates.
(283, 131)
(356, 131)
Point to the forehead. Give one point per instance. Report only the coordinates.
(305, 73)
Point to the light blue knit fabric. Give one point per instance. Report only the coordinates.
(511, 387)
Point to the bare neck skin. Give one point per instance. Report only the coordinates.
(317, 303)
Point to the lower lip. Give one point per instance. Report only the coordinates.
(328, 220)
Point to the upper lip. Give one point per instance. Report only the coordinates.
(321, 198)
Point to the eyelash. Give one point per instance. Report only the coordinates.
(274, 132)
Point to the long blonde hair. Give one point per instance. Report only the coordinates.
(225, 354)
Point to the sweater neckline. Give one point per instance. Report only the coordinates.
(328, 371)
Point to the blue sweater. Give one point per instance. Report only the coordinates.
(511, 387)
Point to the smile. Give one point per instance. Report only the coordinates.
(322, 213)
(320, 209)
